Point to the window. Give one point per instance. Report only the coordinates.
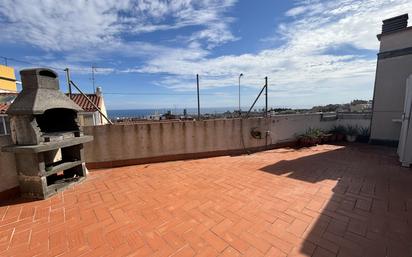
(4, 125)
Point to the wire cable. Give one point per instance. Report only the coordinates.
(149, 93)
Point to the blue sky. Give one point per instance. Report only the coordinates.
(148, 52)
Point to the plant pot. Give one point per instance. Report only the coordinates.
(326, 138)
(363, 139)
(306, 142)
(339, 137)
(314, 141)
(351, 138)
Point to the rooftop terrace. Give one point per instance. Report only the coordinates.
(326, 200)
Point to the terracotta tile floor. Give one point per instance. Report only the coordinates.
(322, 201)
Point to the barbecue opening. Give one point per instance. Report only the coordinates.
(57, 120)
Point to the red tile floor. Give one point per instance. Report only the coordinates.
(321, 201)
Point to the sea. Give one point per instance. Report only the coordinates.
(141, 113)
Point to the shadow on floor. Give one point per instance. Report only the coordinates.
(368, 207)
(16, 201)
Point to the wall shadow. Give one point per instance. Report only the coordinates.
(363, 206)
(17, 201)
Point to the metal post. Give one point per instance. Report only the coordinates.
(266, 113)
(68, 81)
(257, 98)
(5, 61)
(266, 96)
(240, 110)
(198, 97)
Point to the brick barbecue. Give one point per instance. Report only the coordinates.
(48, 142)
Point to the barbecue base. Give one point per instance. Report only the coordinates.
(48, 168)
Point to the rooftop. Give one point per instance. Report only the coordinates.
(328, 200)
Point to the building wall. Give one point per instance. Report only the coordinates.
(103, 110)
(389, 94)
(140, 141)
(6, 85)
(86, 118)
(8, 174)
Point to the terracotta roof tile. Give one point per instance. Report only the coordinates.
(5, 99)
(81, 101)
(4, 107)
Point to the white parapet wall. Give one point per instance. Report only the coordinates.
(113, 143)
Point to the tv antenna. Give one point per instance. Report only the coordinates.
(93, 78)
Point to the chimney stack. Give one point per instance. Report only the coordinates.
(99, 91)
(395, 24)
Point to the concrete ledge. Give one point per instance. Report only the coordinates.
(179, 157)
(395, 53)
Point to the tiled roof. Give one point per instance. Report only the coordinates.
(4, 107)
(81, 101)
(5, 99)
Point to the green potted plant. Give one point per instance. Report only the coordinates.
(364, 134)
(352, 133)
(310, 137)
(338, 133)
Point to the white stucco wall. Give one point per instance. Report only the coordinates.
(390, 84)
(134, 141)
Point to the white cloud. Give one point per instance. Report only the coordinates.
(74, 25)
(303, 61)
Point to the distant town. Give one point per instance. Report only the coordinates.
(356, 105)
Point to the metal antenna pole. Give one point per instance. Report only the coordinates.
(68, 81)
(266, 96)
(94, 89)
(240, 111)
(5, 61)
(198, 97)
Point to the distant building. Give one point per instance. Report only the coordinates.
(8, 91)
(361, 107)
(91, 116)
(155, 116)
(7, 80)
